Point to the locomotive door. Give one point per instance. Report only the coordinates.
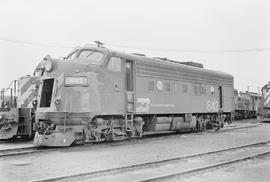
(220, 97)
(129, 86)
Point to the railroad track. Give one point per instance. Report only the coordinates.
(164, 170)
(23, 151)
(235, 128)
(15, 141)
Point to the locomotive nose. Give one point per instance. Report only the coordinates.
(57, 139)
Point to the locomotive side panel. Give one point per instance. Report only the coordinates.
(182, 97)
(162, 88)
(152, 96)
(112, 90)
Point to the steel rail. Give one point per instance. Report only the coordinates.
(205, 168)
(23, 151)
(234, 128)
(120, 170)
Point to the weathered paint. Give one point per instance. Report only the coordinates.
(105, 94)
(27, 91)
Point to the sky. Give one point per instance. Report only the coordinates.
(232, 36)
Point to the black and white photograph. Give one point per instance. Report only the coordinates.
(134, 90)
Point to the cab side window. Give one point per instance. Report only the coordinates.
(115, 64)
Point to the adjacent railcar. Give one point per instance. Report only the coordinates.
(246, 105)
(101, 95)
(264, 105)
(17, 108)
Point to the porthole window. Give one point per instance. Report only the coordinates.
(159, 85)
(212, 90)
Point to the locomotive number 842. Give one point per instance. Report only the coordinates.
(97, 94)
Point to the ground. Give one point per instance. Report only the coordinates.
(111, 155)
(251, 171)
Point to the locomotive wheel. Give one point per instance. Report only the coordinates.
(79, 138)
(108, 137)
(129, 134)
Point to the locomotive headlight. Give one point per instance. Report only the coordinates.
(76, 81)
(48, 65)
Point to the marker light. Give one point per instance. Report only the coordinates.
(48, 65)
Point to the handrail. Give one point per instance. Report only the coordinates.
(12, 101)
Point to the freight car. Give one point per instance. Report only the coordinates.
(264, 105)
(246, 105)
(17, 108)
(103, 95)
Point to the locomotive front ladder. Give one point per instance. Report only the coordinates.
(129, 116)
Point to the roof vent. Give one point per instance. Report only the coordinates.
(164, 59)
(190, 63)
(138, 54)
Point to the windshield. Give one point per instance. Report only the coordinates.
(72, 53)
(90, 56)
(264, 91)
(38, 72)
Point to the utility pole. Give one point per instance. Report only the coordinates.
(3, 95)
(11, 97)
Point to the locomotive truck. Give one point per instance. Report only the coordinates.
(264, 105)
(17, 108)
(98, 94)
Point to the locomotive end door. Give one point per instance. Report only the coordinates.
(129, 86)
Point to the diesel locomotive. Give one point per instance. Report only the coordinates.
(17, 108)
(97, 94)
(18, 105)
(264, 105)
(246, 105)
